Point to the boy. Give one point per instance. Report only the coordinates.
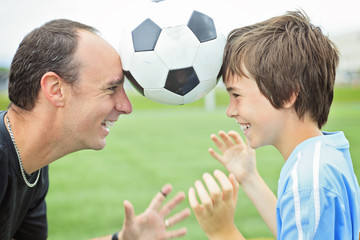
(280, 76)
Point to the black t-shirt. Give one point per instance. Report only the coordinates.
(22, 209)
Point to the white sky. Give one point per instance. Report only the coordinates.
(18, 17)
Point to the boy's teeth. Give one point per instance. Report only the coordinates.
(244, 127)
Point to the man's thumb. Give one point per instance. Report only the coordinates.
(129, 212)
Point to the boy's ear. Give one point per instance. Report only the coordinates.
(52, 87)
(289, 103)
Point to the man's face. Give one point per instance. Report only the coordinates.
(98, 98)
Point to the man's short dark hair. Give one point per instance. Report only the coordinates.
(49, 48)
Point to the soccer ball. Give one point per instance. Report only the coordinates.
(173, 62)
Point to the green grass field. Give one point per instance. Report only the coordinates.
(157, 144)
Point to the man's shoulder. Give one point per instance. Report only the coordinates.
(3, 132)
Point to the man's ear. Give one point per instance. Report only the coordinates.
(52, 87)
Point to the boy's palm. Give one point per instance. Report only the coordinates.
(237, 157)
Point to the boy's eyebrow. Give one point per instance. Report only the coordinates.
(231, 89)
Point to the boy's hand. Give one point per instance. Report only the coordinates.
(215, 212)
(238, 158)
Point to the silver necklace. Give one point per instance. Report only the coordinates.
(19, 157)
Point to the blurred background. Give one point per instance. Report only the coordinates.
(157, 144)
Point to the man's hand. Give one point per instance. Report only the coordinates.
(152, 224)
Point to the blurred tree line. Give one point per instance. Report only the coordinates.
(4, 73)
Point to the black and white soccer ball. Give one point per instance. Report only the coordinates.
(173, 62)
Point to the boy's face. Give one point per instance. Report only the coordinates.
(261, 123)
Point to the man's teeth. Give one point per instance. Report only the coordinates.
(245, 127)
(108, 123)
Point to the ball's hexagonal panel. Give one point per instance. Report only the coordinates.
(148, 70)
(145, 36)
(164, 96)
(202, 26)
(177, 47)
(209, 58)
(200, 91)
(181, 81)
(134, 83)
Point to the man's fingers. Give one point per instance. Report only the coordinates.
(129, 212)
(160, 196)
(169, 206)
(175, 233)
(178, 217)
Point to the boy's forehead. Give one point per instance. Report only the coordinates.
(232, 83)
(236, 82)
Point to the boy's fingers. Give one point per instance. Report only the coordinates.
(213, 187)
(227, 140)
(218, 143)
(248, 146)
(225, 183)
(237, 138)
(216, 155)
(235, 184)
(194, 204)
(203, 195)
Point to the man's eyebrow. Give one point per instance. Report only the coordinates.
(117, 81)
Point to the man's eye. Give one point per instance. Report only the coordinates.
(113, 88)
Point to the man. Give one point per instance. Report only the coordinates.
(66, 91)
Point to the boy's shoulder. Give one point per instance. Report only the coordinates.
(328, 146)
(325, 156)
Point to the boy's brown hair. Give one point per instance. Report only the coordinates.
(286, 55)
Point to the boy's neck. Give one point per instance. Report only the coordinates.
(295, 133)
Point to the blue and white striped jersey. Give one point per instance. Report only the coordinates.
(318, 192)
